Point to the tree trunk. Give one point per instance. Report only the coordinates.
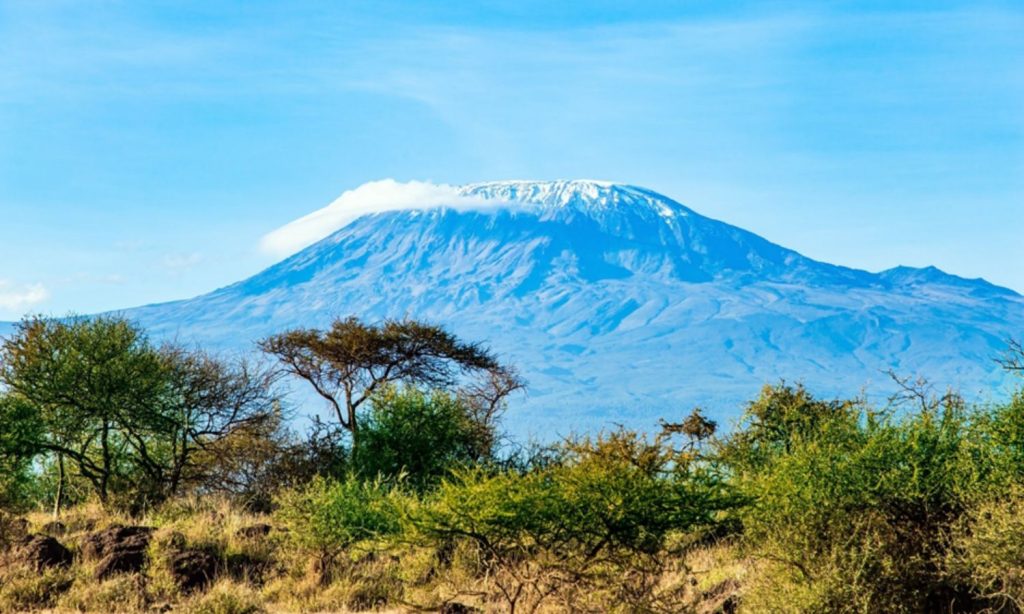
(58, 499)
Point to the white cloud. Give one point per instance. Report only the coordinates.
(18, 298)
(371, 197)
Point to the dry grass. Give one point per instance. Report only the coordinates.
(270, 574)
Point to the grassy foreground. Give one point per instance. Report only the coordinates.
(269, 574)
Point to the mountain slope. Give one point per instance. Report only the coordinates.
(619, 303)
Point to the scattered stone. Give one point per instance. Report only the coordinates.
(118, 550)
(42, 552)
(117, 538)
(193, 569)
(120, 561)
(255, 531)
(244, 567)
(731, 605)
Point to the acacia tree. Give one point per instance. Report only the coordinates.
(352, 360)
(206, 401)
(126, 416)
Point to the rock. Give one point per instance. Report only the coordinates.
(454, 607)
(116, 539)
(193, 569)
(254, 531)
(42, 552)
(54, 528)
(120, 561)
(118, 549)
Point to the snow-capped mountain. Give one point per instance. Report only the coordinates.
(620, 304)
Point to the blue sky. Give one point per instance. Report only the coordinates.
(146, 147)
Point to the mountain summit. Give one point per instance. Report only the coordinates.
(619, 303)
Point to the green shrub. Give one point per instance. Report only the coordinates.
(778, 420)
(420, 436)
(97, 398)
(998, 445)
(328, 516)
(607, 509)
(857, 501)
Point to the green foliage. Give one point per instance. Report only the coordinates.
(607, 508)
(95, 396)
(988, 549)
(779, 419)
(329, 516)
(19, 424)
(79, 379)
(998, 444)
(850, 498)
(813, 505)
(420, 436)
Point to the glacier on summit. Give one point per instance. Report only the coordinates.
(619, 304)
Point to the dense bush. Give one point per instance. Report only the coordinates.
(328, 515)
(419, 435)
(855, 507)
(988, 550)
(606, 510)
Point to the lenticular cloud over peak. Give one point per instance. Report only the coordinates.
(390, 195)
(371, 197)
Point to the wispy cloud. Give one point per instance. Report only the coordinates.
(177, 263)
(371, 197)
(17, 298)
